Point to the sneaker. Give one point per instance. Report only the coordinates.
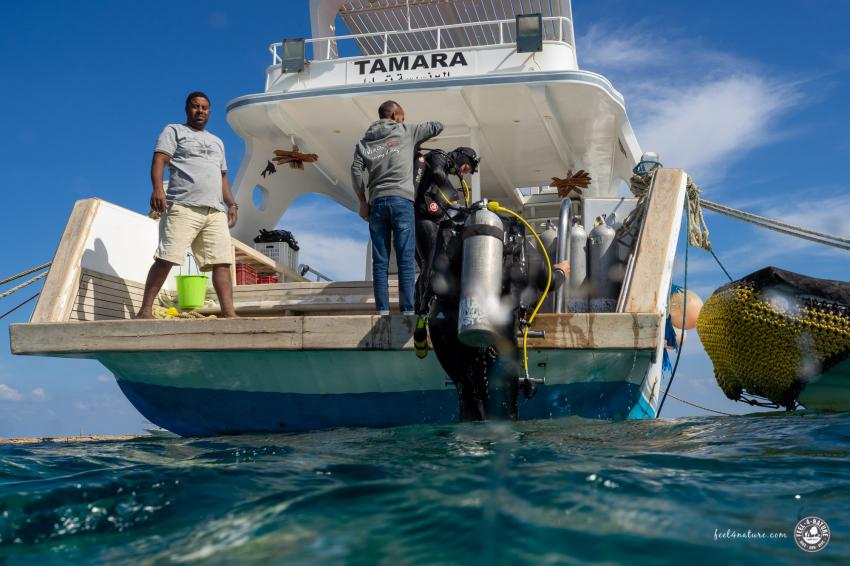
(383, 313)
(408, 313)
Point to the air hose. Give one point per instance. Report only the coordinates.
(466, 190)
(495, 207)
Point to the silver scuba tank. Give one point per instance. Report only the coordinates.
(549, 237)
(478, 320)
(578, 268)
(603, 258)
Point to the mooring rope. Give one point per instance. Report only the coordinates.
(697, 232)
(697, 229)
(24, 284)
(27, 272)
(717, 259)
(758, 220)
(700, 406)
(16, 307)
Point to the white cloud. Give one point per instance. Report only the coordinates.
(759, 247)
(618, 49)
(829, 216)
(700, 108)
(9, 394)
(340, 258)
(38, 394)
(331, 237)
(104, 379)
(704, 127)
(318, 211)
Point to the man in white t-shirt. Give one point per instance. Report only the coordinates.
(197, 210)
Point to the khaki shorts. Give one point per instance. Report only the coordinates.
(202, 227)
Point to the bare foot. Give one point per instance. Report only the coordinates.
(230, 315)
(144, 315)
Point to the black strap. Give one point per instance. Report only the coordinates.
(483, 230)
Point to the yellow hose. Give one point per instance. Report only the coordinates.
(494, 206)
(467, 192)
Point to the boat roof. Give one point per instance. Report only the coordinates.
(531, 116)
(372, 16)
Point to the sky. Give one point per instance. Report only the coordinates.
(748, 97)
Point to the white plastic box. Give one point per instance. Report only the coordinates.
(280, 252)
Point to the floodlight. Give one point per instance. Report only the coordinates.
(529, 33)
(292, 55)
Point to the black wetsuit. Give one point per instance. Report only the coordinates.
(435, 192)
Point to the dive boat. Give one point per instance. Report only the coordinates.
(313, 354)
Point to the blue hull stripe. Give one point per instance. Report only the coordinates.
(204, 412)
(370, 88)
(642, 410)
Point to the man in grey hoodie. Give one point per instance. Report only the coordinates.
(386, 152)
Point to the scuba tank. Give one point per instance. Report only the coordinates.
(549, 237)
(536, 263)
(578, 268)
(603, 257)
(481, 279)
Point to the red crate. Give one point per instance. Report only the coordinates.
(245, 274)
(266, 279)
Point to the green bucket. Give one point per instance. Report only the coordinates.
(191, 291)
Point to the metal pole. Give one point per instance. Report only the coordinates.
(563, 252)
(475, 143)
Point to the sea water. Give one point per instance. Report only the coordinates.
(716, 491)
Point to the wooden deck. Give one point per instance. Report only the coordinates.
(105, 297)
(84, 311)
(356, 332)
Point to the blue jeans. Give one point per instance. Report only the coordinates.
(393, 217)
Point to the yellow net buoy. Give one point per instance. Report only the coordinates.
(766, 349)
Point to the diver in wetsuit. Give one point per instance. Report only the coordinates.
(435, 196)
(486, 377)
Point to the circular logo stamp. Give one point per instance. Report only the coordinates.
(812, 534)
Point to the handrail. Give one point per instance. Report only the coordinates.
(561, 20)
(304, 269)
(563, 252)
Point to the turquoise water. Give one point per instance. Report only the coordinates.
(560, 492)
